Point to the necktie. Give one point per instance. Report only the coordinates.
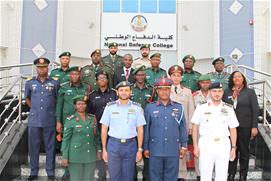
(175, 89)
(127, 74)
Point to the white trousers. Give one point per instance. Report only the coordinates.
(214, 152)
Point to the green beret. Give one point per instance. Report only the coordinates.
(140, 68)
(123, 84)
(79, 98)
(65, 54)
(75, 68)
(113, 44)
(189, 56)
(218, 59)
(98, 51)
(145, 46)
(155, 55)
(204, 77)
(216, 85)
(42, 62)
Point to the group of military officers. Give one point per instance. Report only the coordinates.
(126, 100)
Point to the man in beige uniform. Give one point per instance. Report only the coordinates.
(203, 95)
(144, 60)
(182, 95)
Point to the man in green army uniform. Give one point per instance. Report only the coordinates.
(142, 93)
(62, 74)
(81, 142)
(67, 91)
(144, 59)
(88, 72)
(190, 76)
(113, 59)
(219, 75)
(155, 72)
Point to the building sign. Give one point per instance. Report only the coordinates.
(131, 27)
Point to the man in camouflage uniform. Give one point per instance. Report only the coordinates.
(88, 72)
(113, 59)
(190, 76)
(219, 75)
(67, 91)
(144, 60)
(155, 72)
(62, 74)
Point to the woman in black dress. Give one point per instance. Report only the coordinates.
(245, 104)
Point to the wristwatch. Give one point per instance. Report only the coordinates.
(233, 147)
(140, 149)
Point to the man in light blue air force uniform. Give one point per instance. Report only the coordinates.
(165, 135)
(122, 123)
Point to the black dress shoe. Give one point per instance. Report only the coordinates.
(51, 178)
(230, 177)
(243, 178)
(181, 179)
(32, 177)
(198, 178)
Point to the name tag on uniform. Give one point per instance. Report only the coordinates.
(207, 113)
(155, 112)
(224, 112)
(98, 97)
(69, 90)
(131, 111)
(115, 114)
(78, 126)
(122, 74)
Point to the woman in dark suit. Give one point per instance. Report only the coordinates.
(245, 104)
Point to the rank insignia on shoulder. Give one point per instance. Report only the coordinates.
(135, 103)
(111, 103)
(227, 104)
(70, 117)
(55, 78)
(29, 78)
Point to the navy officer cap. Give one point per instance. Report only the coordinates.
(123, 84)
(216, 85)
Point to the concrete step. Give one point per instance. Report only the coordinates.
(42, 158)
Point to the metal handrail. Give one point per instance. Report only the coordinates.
(10, 87)
(248, 68)
(16, 66)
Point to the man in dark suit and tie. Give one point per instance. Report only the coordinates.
(125, 73)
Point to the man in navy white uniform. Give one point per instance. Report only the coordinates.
(165, 134)
(125, 121)
(40, 95)
(213, 123)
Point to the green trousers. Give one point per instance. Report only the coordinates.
(82, 171)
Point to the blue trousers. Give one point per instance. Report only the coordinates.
(121, 159)
(35, 137)
(163, 168)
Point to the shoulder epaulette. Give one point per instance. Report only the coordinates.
(30, 78)
(91, 115)
(91, 92)
(111, 103)
(137, 58)
(227, 104)
(195, 93)
(64, 83)
(136, 103)
(113, 90)
(70, 117)
(106, 65)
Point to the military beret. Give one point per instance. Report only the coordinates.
(189, 56)
(79, 98)
(155, 55)
(145, 46)
(65, 54)
(175, 68)
(75, 68)
(218, 59)
(204, 77)
(123, 84)
(163, 82)
(140, 68)
(216, 85)
(113, 44)
(42, 62)
(101, 72)
(98, 51)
